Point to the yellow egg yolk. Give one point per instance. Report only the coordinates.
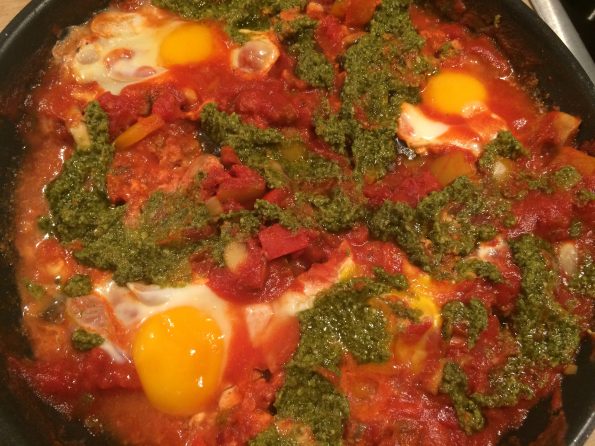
(451, 92)
(419, 296)
(186, 44)
(179, 357)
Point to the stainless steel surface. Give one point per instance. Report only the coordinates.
(552, 12)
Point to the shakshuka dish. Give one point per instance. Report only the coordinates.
(290, 222)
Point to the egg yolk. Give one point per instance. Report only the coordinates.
(451, 93)
(178, 355)
(186, 44)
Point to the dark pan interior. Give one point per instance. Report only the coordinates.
(24, 49)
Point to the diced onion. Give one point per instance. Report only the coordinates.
(568, 258)
(234, 255)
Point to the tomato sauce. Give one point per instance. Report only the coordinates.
(399, 401)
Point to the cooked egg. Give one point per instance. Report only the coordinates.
(454, 93)
(450, 94)
(124, 48)
(186, 44)
(180, 341)
(421, 294)
(255, 57)
(179, 338)
(179, 356)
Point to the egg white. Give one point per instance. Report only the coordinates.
(135, 303)
(122, 49)
(423, 133)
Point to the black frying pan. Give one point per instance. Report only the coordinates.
(24, 49)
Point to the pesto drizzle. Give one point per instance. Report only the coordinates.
(312, 66)
(80, 210)
(261, 150)
(472, 316)
(547, 335)
(341, 321)
(374, 86)
(504, 145)
(237, 14)
(441, 226)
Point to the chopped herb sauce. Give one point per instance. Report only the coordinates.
(454, 384)
(84, 341)
(254, 15)
(261, 150)
(470, 269)
(472, 317)
(312, 66)
(546, 332)
(504, 145)
(78, 285)
(584, 280)
(441, 226)
(341, 321)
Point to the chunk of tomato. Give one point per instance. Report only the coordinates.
(244, 186)
(278, 241)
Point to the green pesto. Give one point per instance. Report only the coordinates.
(84, 341)
(547, 333)
(441, 226)
(311, 169)
(237, 14)
(36, 290)
(576, 229)
(542, 183)
(472, 268)
(332, 129)
(373, 151)
(311, 65)
(374, 86)
(567, 177)
(509, 220)
(584, 280)
(80, 210)
(79, 207)
(272, 437)
(260, 149)
(507, 386)
(238, 226)
(167, 217)
(340, 321)
(473, 317)
(134, 257)
(372, 83)
(270, 212)
(447, 50)
(504, 145)
(309, 398)
(454, 384)
(388, 282)
(228, 129)
(156, 249)
(398, 222)
(336, 212)
(78, 285)
(585, 196)
(402, 311)
(373, 64)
